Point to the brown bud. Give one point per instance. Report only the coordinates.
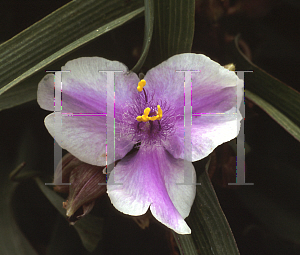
(84, 188)
(68, 163)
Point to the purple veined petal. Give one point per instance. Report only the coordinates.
(84, 91)
(149, 178)
(85, 138)
(215, 90)
(208, 132)
(212, 86)
(84, 88)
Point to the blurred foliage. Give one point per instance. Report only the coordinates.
(264, 218)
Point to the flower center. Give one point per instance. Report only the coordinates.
(155, 120)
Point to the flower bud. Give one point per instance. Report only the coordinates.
(84, 188)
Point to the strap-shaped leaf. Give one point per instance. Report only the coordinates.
(59, 33)
(149, 19)
(89, 227)
(185, 244)
(277, 99)
(25, 91)
(283, 120)
(12, 240)
(210, 230)
(173, 31)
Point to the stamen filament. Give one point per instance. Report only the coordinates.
(145, 95)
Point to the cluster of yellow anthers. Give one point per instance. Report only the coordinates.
(145, 117)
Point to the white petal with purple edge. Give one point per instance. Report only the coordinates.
(84, 91)
(149, 178)
(214, 90)
(84, 87)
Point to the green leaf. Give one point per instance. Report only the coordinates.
(20, 94)
(210, 230)
(173, 31)
(149, 18)
(185, 244)
(277, 99)
(89, 227)
(12, 240)
(64, 30)
(283, 120)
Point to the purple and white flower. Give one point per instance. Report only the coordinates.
(151, 116)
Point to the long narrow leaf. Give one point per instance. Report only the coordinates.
(22, 93)
(89, 227)
(279, 100)
(173, 31)
(283, 120)
(149, 18)
(210, 230)
(54, 36)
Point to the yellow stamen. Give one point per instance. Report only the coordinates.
(141, 85)
(145, 116)
(159, 112)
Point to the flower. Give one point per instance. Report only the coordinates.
(149, 114)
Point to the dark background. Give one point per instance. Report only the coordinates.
(264, 218)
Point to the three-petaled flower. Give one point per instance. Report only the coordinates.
(148, 113)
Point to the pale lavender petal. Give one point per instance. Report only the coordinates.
(208, 132)
(84, 91)
(82, 136)
(84, 88)
(85, 138)
(214, 87)
(214, 90)
(149, 178)
(45, 93)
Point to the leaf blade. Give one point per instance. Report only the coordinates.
(89, 227)
(210, 230)
(279, 100)
(173, 30)
(75, 20)
(149, 19)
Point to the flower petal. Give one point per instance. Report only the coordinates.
(208, 131)
(149, 178)
(83, 136)
(215, 90)
(84, 87)
(84, 91)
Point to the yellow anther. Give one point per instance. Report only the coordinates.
(153, 118)
(159, 112)
(139, 118)
(145, 116)
(141, 85)
(147, 111)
